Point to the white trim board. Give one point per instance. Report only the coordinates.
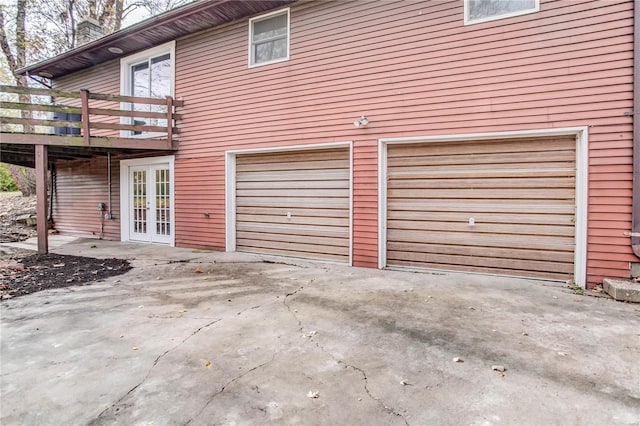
(124, 192)
(230, 185)
(582, 174)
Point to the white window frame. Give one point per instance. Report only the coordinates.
(125, 79)
(286, 11)
(468, 21)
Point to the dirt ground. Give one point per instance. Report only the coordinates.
(24, 272)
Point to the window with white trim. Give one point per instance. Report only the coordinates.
(148, 74)
(476, 11)
(269, 38)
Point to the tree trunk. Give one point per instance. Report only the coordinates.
(24, 177)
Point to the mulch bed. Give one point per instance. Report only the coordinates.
(36, 272)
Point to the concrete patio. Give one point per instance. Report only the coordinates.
(244, 341)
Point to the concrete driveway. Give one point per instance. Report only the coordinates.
(249, 342)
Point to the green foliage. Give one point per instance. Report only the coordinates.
(6, 181)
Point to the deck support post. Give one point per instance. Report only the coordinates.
(41, 198)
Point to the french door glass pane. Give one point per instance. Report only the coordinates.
(163, 202)
(140, 201)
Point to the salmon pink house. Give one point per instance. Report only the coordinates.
(457, 135)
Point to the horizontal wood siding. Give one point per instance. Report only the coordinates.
(413, 69)
(80, 187)
(104, 78)
(294, 204)
(519, 193)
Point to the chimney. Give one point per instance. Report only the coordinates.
(88, 30)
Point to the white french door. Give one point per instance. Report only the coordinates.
(149, 202)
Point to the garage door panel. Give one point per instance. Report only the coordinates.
(483, 228)
(286, 202)
(317, 192)
(295, 204)
(330, 241)
(294, 220)
(494, 206)
(291, 246)
(446, 260)
(295, 184)
(300, 165)
(488, 193)
(483, 251)
(484, 183)
(485, 147)
(561, 166)
(278, 211)
(293, 176)
(520, 194)
(465, 173)
(287, 157)
(486, 240)
(291, 229)
(482, 217)
(485, 159)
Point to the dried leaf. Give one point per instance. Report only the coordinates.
(207, 363)
(457, 359)
(135, 348)
(499, 368)
(313, 394)
(198, 271)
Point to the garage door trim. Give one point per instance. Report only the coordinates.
(230, 185)
(581, 134)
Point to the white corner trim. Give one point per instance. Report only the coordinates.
(286, 10)
(125, 196)
(582, 203)
(230, 201)
(382, 204)
(582, 177)
(230, 185)
(351, 203)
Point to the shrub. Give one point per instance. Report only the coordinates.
(6, 181)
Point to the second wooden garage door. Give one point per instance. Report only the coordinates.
(504, 207)
(294, 204)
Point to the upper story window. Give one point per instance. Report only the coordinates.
(269, 38)
(476, 11)
(148, 74)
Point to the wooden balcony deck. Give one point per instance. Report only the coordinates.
(87, 120)
(45, 126)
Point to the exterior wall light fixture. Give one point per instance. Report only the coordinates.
(362, 121)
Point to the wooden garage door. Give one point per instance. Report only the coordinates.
(505, 207)
(294, 204)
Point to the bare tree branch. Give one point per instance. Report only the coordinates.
(4, 44)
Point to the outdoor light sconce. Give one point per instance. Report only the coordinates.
(363, 121)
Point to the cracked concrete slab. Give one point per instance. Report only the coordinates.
(244, 342)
